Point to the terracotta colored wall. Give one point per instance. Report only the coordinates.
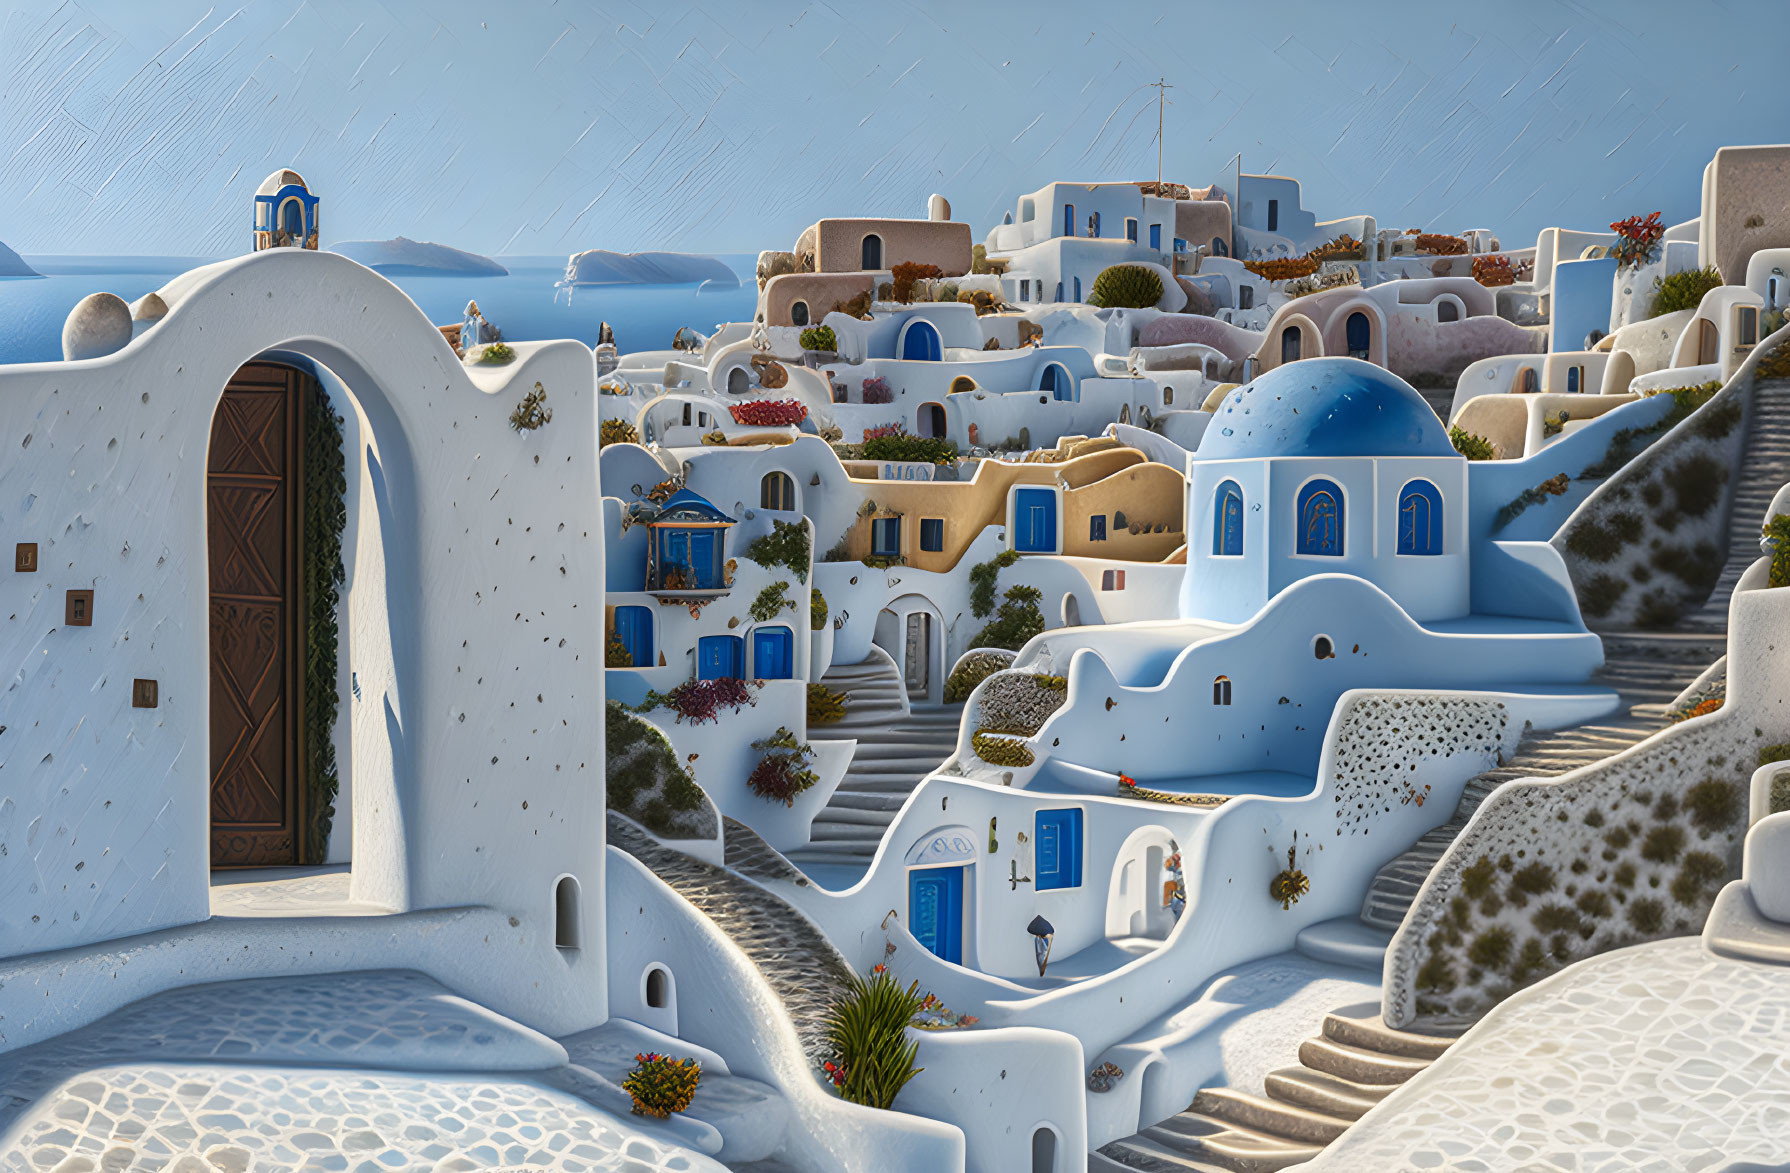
(1145, 492)
(1749, 182)
(1198, 221)
(945, 243)
(822, 291)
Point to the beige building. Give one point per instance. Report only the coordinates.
(1746, 207)
(874, 245)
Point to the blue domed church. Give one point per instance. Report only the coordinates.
(1327, 466)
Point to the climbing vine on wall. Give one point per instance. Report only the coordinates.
(325, 519)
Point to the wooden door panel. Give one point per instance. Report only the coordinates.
(252, 526)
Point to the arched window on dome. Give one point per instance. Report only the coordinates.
(1227, 520)
(1321, 519)
(1420, 519)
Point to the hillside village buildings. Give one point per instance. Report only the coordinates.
(1339, 638)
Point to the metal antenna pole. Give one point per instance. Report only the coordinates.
(1162, 89)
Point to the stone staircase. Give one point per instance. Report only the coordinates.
(1647, 669)
(898, 744)
(795, 958)
(1342, 1073)
(1764, 469)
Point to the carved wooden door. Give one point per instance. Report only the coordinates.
(253, 491)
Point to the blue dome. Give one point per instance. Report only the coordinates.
(1324, 407)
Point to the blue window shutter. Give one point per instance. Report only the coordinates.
(1058, 862)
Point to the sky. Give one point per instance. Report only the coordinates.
(535, 127)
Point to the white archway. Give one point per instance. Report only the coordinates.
(1136, 910)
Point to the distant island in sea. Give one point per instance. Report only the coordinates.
(13, 265)
(602, 267)
(403, 257)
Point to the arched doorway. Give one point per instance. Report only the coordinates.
(271, 773)
(1289, 344)
(920, 341)
(931, 422)
(738, 381)
(1057, 381)
(871, 255)
(1448, 310)
(1708, 343)
(1140, 904)
(777, 491)
(911, 630)
(1360, 335)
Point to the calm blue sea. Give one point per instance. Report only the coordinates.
(525, 305)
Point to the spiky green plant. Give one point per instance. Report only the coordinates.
(1127, 287)
(873, 1058)
(660, 1085)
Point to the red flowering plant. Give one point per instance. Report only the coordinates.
(1637, 240)
(1127, 782)
(877, 391)
(700, 700)
(768, 413)
(882, 430)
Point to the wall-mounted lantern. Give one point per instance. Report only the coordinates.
(1042, 931)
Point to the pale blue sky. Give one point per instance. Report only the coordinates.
(142, 126)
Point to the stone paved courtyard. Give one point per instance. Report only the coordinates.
(1661, 1058)
(187, 1118)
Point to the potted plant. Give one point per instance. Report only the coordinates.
(819, 345)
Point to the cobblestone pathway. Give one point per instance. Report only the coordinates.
(797, 962)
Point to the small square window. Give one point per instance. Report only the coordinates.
(1749, 325)
(1025, 289)
(932, 534)
(1131, 230)
(885, 537)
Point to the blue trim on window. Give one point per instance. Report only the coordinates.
(1058, 848)
(1227, 520)
(1420, 519)
(1321, 519)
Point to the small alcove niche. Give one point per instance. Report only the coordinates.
(658, 988)
(1322, 648)
(568, 923)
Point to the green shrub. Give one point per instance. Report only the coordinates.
(819, 338)
(1555, 918)
(1647, 915)
(770, 602)
(1477, 877)
(982, 581)
(1682, 291)
(660, 1085)
(817, 611)
(643, 777)
(946, 291)
(616, 654)
(1127, 287)
(971, 671)
(921, 449)
(1000, 751)
(873, 1058)
(1601, 593)
(825, 707)
(1774, 753)
(1436, 974)
(1015, 621)
(613, 432)
(1532, 959)
(1663, 844)
(1713, 804)
(1491, 949)
(1535, 879)
(1593, 540)
(1696, 875)
(1470, 444)
(1594, 904)
(1778, 530)
(1624, 875)
(497, 352)
(786, 546)
(1697, 482)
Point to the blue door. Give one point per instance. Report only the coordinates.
(1227, 524)
(1058, 848)
(1068, 219)
(1078, 289)
(718, 656)
(921, 342)
(773, 653)
(634, 630)
(1360, 335)
(705, 560)
(1035, 521)
(935, 910)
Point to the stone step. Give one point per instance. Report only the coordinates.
(1357, 1064)
(1151, 1156)
(1243, 1150)
(1345, 941)
(1269, 1116)
(1305, 1088)
(861, 800)
(1372, 1034)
